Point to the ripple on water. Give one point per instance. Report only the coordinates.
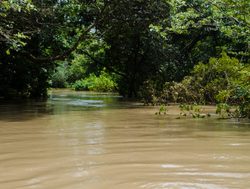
(182, 185)
(224, 175)
(87, 103)
(60, 145)
(167, 166)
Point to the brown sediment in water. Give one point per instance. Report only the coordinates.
(62, 145)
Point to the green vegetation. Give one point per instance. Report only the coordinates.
(102, 83)
(161, 51)
(223, 81)
(162, 110)
(192, 110)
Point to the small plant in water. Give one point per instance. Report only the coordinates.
(224, 111)
(162, 110)
(192, 110)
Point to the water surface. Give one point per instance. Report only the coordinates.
(78, 140)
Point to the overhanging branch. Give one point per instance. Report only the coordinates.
(70, 50)
(64, 54)
(104, 65)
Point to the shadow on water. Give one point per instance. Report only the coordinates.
(60, 102)
(18, 111)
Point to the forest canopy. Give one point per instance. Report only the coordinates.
(130, 43)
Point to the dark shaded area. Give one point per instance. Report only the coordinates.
(22, 110)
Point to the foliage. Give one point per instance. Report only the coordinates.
(153, 44)
(32, 35)
(102, 83)
(223, 80)
(14, 38)
(134, 49)
(224, 110)
(162, 110)
(148, 93)
(192, 110)
(216, 81)
(77, 68)
(60, 76)
(224, 21)
(242, 94)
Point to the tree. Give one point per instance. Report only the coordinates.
(33, 34)
(134, 51)
(197, 30)
(138, 40)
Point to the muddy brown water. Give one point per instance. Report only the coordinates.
(98, 141)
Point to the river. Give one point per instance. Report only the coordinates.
(79, 140)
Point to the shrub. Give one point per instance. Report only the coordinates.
(60, 76)
(78, 68)
(148, 92)
(102, 83)
(82, 85)
(222, 80)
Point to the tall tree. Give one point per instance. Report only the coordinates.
(133, 49)
(33, 34)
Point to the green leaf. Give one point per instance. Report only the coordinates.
(7, 52)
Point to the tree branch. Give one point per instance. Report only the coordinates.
(70, 50)
(64, 54)
(104, 65)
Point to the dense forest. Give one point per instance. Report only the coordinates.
(160, 51)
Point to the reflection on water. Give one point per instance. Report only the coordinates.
(78, 140)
